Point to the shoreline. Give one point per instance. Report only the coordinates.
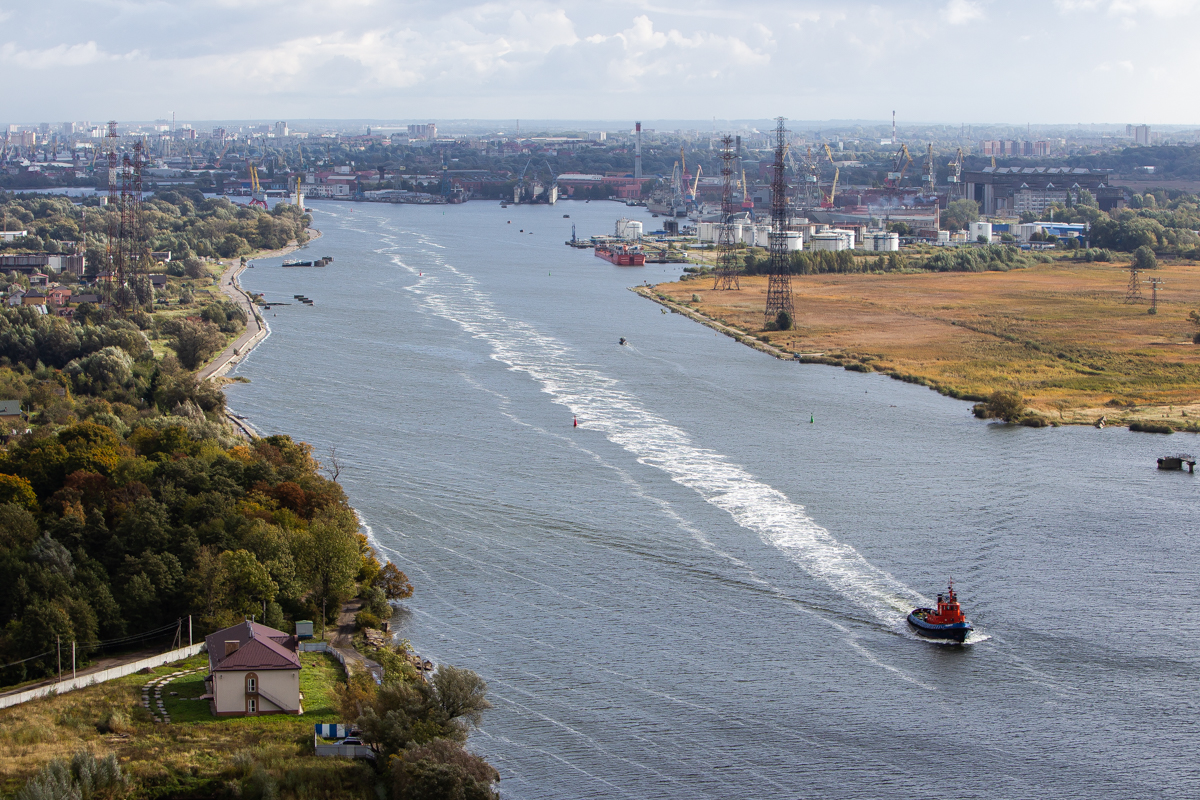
(1102, 416)
(239, 348)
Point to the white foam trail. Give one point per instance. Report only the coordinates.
(601, 405)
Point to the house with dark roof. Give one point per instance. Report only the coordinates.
(10, 410)
(252, 670)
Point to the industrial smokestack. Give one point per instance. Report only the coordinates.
(637, 152)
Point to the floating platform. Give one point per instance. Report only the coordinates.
(1177, 462)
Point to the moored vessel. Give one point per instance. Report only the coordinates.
(944, 622)
(621, 255)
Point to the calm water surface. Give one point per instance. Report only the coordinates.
(697, 593)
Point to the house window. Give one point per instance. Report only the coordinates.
(252, 706)
(251, 684)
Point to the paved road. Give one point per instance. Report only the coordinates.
(255, 329)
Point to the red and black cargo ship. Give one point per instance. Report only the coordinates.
(621, 255)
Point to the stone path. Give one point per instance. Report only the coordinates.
(156, 684)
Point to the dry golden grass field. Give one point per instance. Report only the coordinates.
(1060, 334)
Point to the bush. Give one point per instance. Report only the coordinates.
(1150, 427)
(377, 602)
(783, 322)
(365, 619)
(1008, 406)
(115, 721)
(84, 778)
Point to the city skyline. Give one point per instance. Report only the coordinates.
(1070, 61)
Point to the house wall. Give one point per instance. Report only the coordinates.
(229, 690)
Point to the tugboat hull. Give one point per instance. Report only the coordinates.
(955, 631)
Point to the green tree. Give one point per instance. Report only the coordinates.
(959, 214)
(331, 560)
(1143, 258)
(196, 342)
(246, 584)
(461, 693)
(442, 769)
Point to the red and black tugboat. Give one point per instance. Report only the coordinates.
(947, 622)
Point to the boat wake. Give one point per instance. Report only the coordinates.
(601, 405)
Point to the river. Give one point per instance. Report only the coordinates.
(698, 592)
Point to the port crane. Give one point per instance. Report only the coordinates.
(258, 197)
(930, 174)
(691, 198)
(827, 199)
(955, 176)
(899, 167)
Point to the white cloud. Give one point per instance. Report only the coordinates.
(960, 12)
(502, 58)
(62, 55)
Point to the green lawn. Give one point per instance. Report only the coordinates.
(319, 674)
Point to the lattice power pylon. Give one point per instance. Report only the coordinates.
(779, 269)
(129, 251)
(1134, 293)
(727, 260)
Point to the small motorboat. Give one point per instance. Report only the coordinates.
(946, 622)
(622, 342)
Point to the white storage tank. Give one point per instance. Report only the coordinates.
(983, 229)
(629, 229)
(884, 242)
(829, 240)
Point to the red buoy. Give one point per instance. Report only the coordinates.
(576, 425)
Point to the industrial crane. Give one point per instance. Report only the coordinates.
(257, 196)
(899, 167)
(747, 201)
(930, 174)
(691, 196)
(828, 201)
(955, 176)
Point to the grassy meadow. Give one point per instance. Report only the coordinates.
(196, 755)
(1060, 334)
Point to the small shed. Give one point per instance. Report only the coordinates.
(304, 629)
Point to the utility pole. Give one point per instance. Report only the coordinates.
(1154, 284)
(189, 630)
(58, 639)
(323, 601)
(72, 659)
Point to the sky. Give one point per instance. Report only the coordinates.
(950, 61)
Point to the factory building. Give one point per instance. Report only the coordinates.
(996, 189)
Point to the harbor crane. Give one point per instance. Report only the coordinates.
(899, 167)
(258, 197)
(828, 201)
(695, 184)
(930, 174)
(955, 176)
